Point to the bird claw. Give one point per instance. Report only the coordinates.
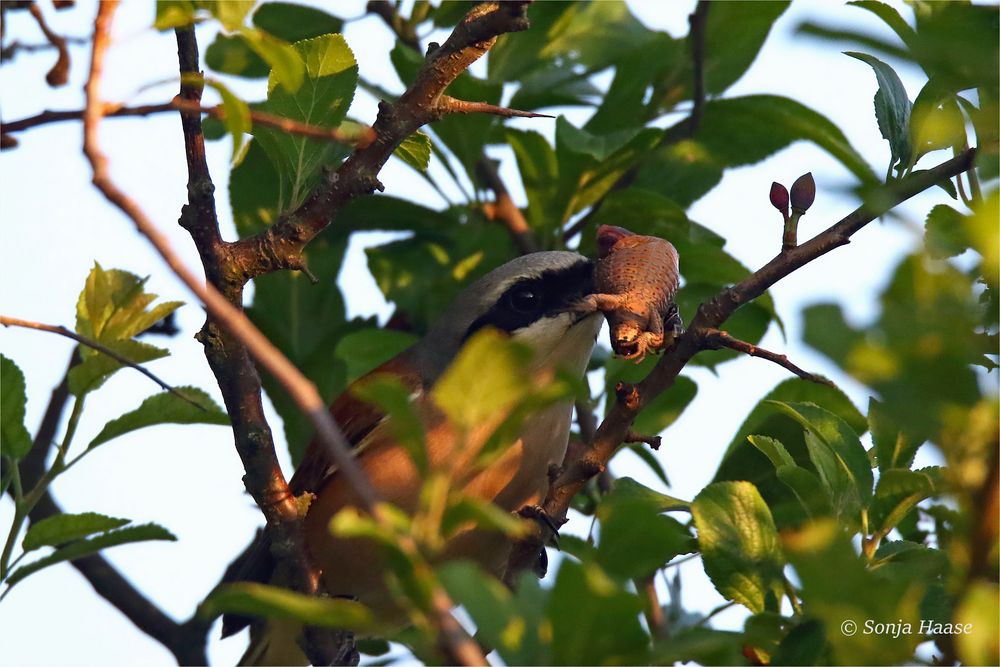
(538, 513)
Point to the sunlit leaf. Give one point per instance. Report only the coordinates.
(85, 547)
(165, 408)
(263, 601)
(739, 544)
(15, 441)
(63, 528)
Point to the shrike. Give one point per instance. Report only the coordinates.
(528, 299)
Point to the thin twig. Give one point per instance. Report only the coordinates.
(715, 339)
(59, 74)
(651, 609)
(711, 315)
(654, 441)
(504, 209)
(289, 125)
(450, 105)
(682, 130)
(94, 345)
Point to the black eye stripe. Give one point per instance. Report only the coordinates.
(553, 290)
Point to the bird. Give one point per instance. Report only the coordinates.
(529, 300)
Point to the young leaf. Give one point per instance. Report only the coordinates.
(96, 368)
(892, 108)
(230, 13)
(287, 68)
(173, 14)
(63, 528)
(15, 441)
(945, 232)
(739, 544)
(237, 115)
(626, 488)
(936, 122)
(85, 547)
(293, 23)
(807, 488)
(263, 601)
(164, 408)
(415, 151)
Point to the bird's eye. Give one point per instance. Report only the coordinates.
(524, 300)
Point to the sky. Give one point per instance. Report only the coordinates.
(187, 478)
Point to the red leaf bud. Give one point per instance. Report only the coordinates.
(803, 192)
(779, 198)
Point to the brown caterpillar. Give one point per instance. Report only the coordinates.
(635, 278)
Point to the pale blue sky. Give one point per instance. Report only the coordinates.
(188, 477)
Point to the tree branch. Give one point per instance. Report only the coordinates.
(93, 344)
(711, 314)
(715, 339)
(504, 209)
(280, 245)
(191, 105)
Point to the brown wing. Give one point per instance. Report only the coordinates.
(356, 419)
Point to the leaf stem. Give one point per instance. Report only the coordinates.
(792, 597)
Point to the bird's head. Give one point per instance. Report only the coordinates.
(527, 298)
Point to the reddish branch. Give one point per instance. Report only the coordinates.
(288, 125)
(59, 74)
(710, 316)
(716, 339)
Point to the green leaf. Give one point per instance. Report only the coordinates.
(322, 98)
(230, 13)
(593, 620)
(892, 108)
(739, 544)
(388, 394)
(174, 14)
(978, 610)
(837, 453)
(729, 136)
(415, 151)
(891, 18)
(627, 489)
(893, 447)
(734, 35)
(807, 488)
(86, 547)
(64, 528)
(936, 122)
(294, 23)
(701, 645)
(232, 54)
(838, 587)
(803, 645)
(899, 491)
(287, 66)
(15, 441)
(483, 514)
(96, 368)
(364, 350)
(237, 115)
(744, 461)
(263, 601)
(512, 624)
(486, 379)
(946, 232)
(164, 408)
(636, 540)
(772, 449)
